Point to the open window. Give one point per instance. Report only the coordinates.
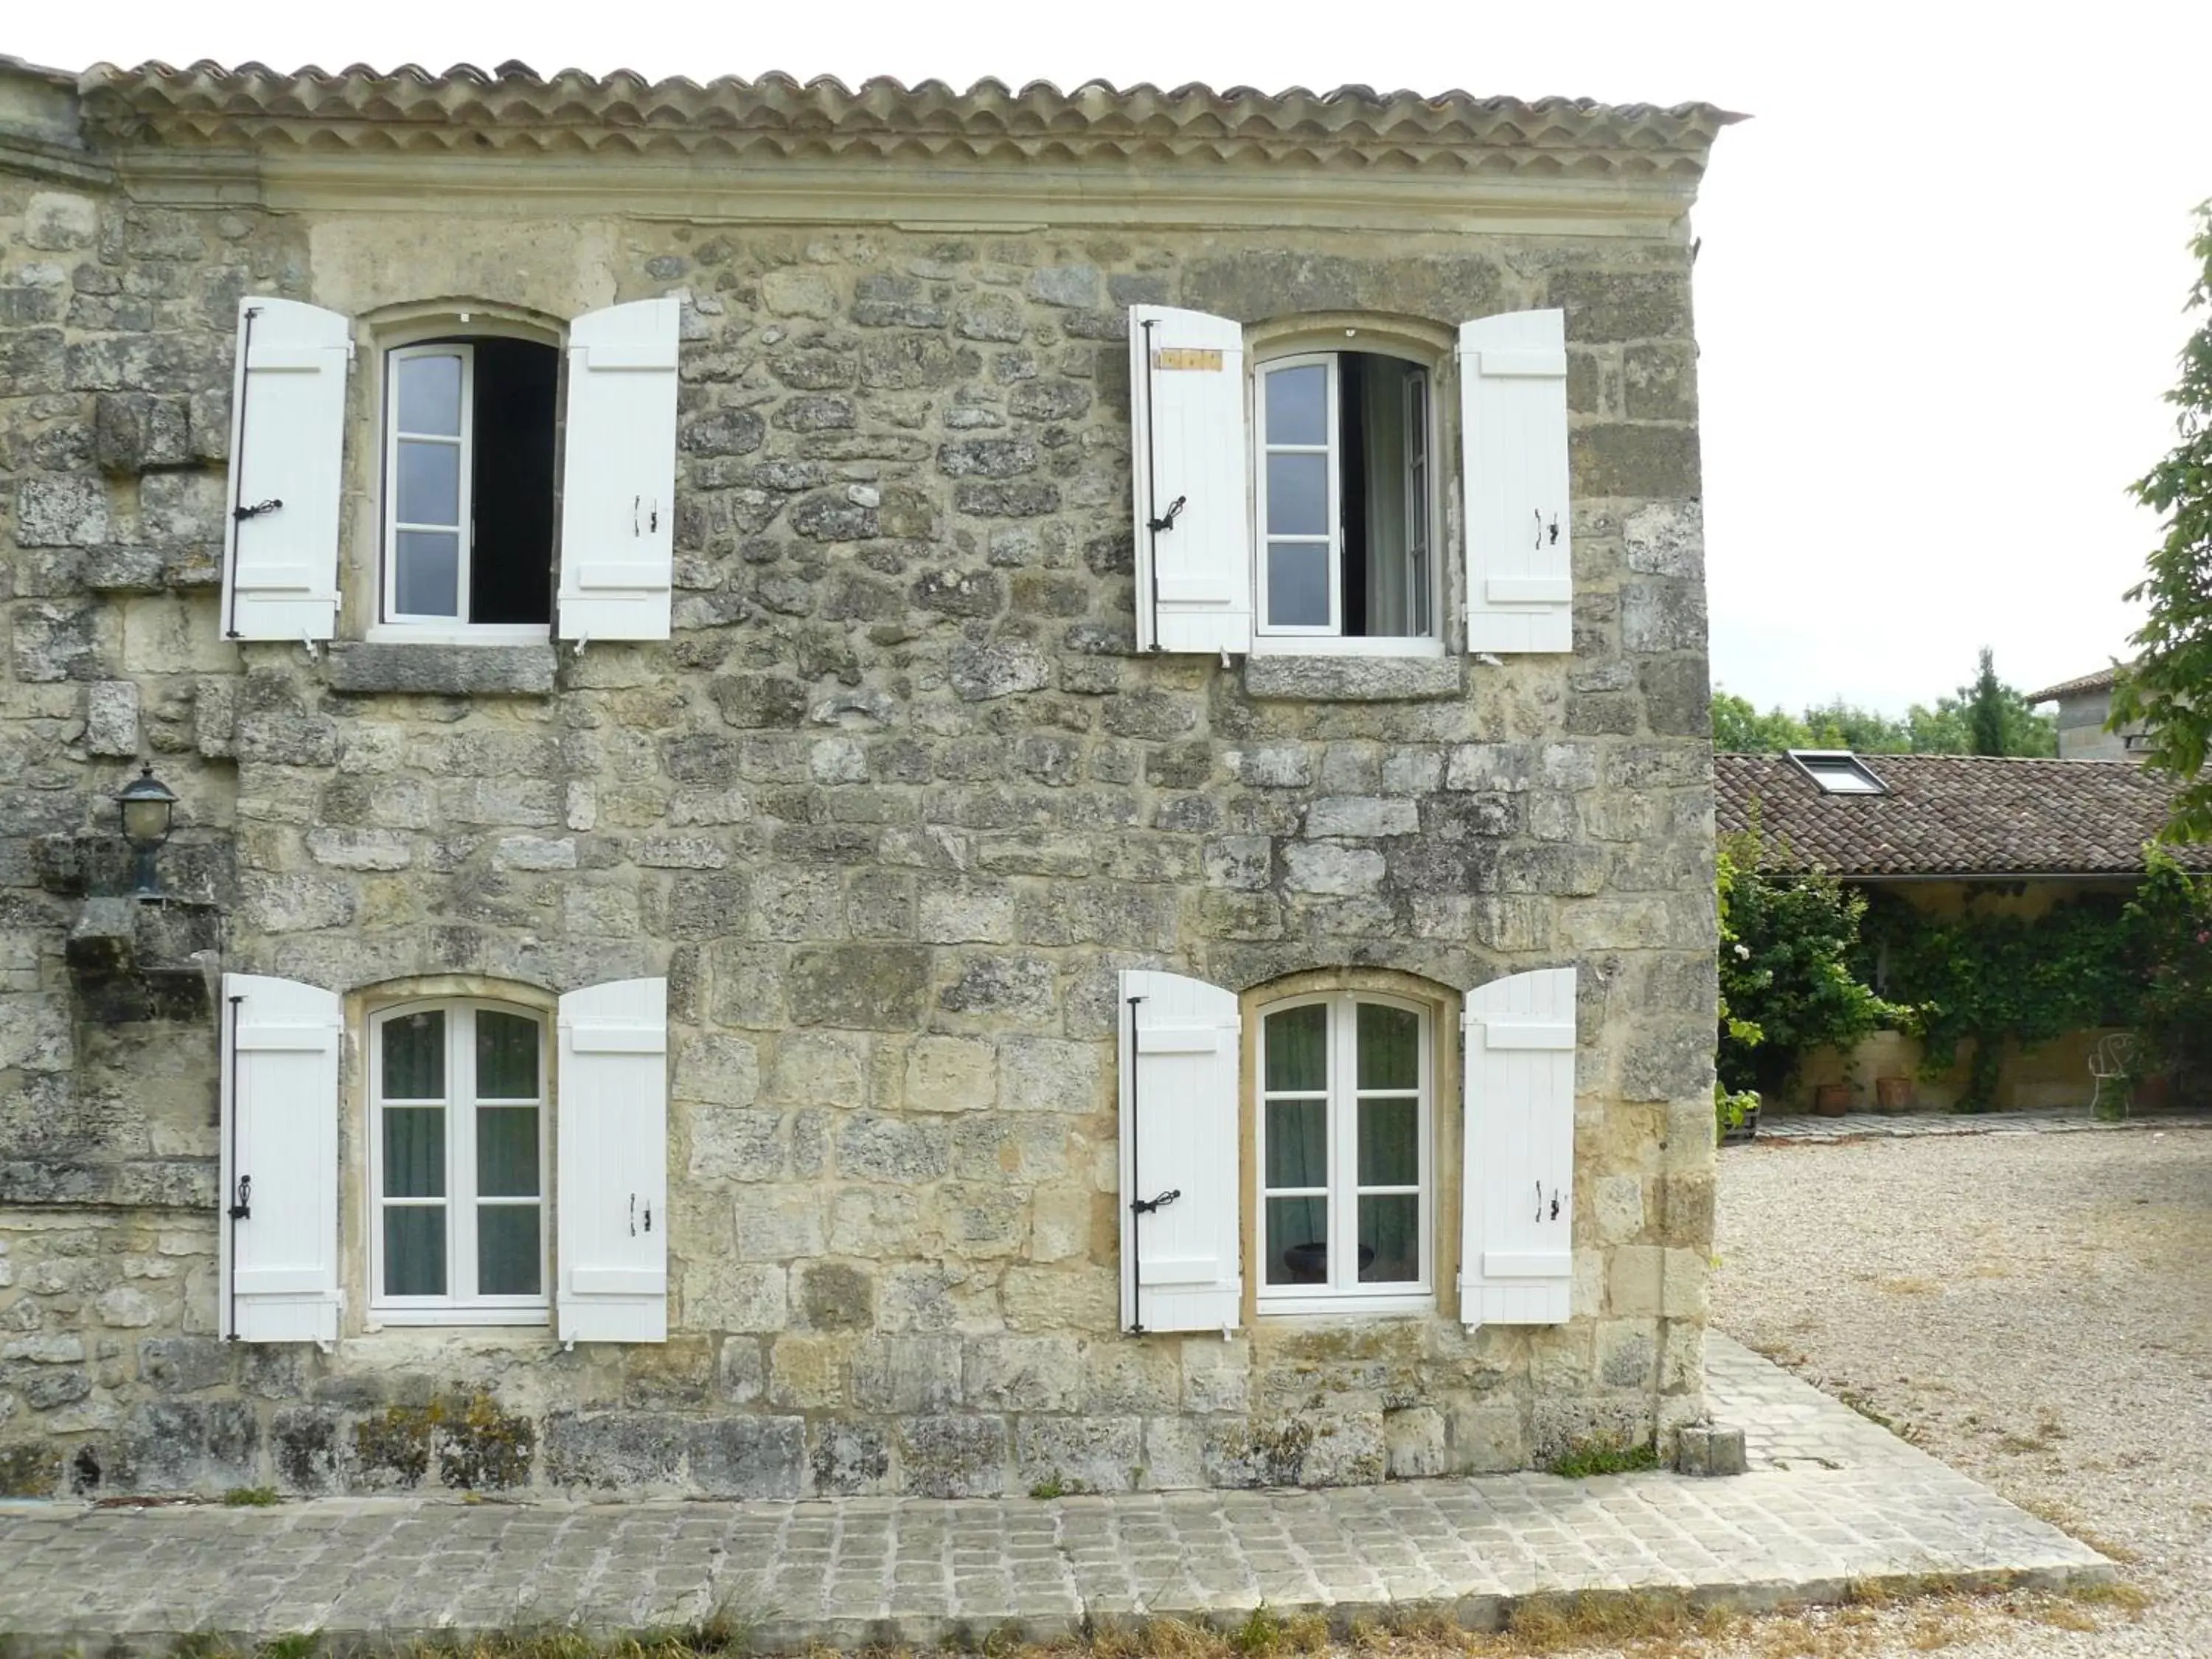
(468, 486)
(1345, 498)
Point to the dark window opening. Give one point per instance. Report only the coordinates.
(511, 554)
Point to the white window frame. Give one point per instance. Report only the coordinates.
(1345, 1294)
(392, 624)
(1421, 521)
(461, 1200)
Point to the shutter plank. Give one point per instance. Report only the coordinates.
(1513, 408)
(288, 445)
(611, 1185)
(278, 1265)
(1517, 1257)
(1188, 443)
(618, 472)
(1180, 1106)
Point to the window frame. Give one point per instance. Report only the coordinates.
(460, 1200)
(1343, 1094)
(423, 329)
(1428, 594)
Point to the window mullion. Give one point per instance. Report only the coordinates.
(1344, 1145)
(1336, 463)
(461, 1157)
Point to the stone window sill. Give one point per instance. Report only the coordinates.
(451, 670)
(1354, 679)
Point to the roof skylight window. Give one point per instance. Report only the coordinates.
(1837, 772)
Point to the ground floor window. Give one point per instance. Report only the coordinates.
(1344, 1138)
(457, 1141)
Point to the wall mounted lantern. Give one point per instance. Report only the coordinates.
(145, 805)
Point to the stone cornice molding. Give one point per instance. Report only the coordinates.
(368, 131)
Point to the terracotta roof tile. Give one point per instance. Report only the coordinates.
(2097, 682)
(1954, 815)
(209, 103)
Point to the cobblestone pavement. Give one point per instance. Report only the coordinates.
(1829, 1498)
(1863, 1126)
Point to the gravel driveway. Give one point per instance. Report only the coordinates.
(2035, 1310)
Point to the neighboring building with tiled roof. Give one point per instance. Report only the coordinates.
(1966, 816)
(2085, 704)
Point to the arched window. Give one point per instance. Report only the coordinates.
(457, 1163)
(1345, 1153)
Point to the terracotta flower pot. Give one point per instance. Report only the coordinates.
(1832, 1099)
(1893, 1094)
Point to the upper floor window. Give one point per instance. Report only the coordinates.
(469, 485)
(1344, 497)
(1345, 1096)
(457, 1138)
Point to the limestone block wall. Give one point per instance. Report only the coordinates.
(888, 809)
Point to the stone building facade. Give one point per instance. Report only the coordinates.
(879, 810)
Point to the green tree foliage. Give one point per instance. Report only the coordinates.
(2169, 689)
(2169, 926)
(1789, 981)
(2008, 724)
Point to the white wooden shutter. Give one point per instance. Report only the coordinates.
(619, 477)
(611, 1187)
(276, 1220)
(1518, 1190)
(280, 564)
(1179, 1057)
(1189, 447)
(1520, 532)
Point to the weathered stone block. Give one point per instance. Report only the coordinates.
(944, 1456)
(747, 1457)
(1633, 460)
(453, 670)
(849, 1458)
(61, 513)
(1088, 1454)
(881, 988)
(614, 1450)
(187, 1446)
(1707, 1450)
(1353, 679)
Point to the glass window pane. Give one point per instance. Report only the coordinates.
(1297, 1241)
(429, 574)
(1390, 1239)
(414, 1251)
(1389, 1047)
(414, 1152)
(1298, 406)
(1297, 1050)
(1298, 585)
(507, 1056)
(508, 1256)
(414, 1055)
(1389, 1143)
(1298, 495)
(1297, 1143)
(430, 393)
(429, 483)
(507, 1152)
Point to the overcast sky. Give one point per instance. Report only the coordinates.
(1938, 302)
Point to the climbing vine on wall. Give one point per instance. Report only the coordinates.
(1987, 980)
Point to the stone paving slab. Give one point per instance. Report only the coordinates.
(1831, 1499)
(1795, 1127)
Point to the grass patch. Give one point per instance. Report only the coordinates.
(251, 1498)
(1592, 1457)
(2112, 1593)
(1549, 1624)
